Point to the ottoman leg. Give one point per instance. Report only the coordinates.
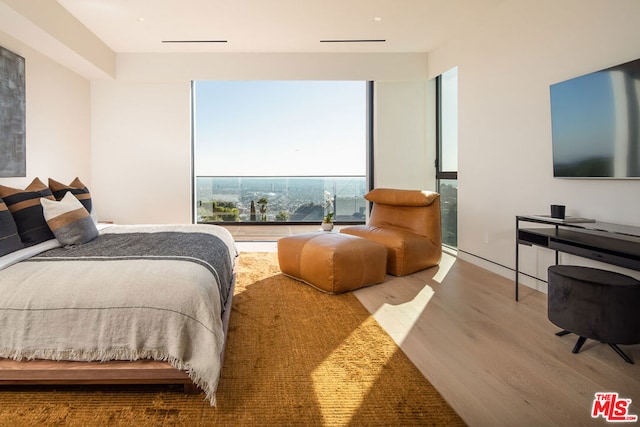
(582, 340)
(579, 344)
(621, 353)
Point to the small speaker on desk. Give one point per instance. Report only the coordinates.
(557, 211)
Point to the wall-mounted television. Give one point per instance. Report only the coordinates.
(595, 124)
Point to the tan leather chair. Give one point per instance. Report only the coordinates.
(407, 222)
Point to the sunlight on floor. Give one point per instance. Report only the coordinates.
(349, 371)
(446, 263)
(398, 319)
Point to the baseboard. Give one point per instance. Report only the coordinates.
(509, 273)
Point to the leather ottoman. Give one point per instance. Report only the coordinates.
(332, 262)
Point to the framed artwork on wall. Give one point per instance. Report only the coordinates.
(13, 161)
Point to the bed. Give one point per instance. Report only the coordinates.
(137, 304)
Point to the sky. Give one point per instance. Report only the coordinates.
(280, 128)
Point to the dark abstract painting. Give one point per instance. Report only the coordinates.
(12, 115)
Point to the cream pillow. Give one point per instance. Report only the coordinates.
(69, 220)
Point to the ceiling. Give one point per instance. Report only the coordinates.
(260, 26)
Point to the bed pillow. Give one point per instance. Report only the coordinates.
(77, 188)
(26, 210)
(69, 220)
(9, 237)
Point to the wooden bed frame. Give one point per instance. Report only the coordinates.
(144, 371)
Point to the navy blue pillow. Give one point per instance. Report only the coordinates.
(26, 210)
(9, 237)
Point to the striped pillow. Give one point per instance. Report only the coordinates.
(9, 237)
(69, 220)
(77, 188)
(26, 210)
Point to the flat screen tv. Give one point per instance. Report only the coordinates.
(595, 124)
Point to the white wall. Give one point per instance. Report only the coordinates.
(141, 160)
(401, 153)
(505, 165)
(58, 120)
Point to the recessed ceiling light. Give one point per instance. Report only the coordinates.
(377, 19)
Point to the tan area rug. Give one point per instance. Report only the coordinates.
(295, 356)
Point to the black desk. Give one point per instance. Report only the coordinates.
(609, 243)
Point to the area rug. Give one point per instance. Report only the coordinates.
(295, 356)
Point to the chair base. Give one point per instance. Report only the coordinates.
(582, 340)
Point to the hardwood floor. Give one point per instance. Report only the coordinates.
(496, 361)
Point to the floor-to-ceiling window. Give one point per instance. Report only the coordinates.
(280, 151)
(447, 153)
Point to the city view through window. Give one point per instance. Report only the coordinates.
(281, 199)
(283, 151)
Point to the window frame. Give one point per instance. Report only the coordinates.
(442, 175)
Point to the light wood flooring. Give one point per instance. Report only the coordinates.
(495, 360)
